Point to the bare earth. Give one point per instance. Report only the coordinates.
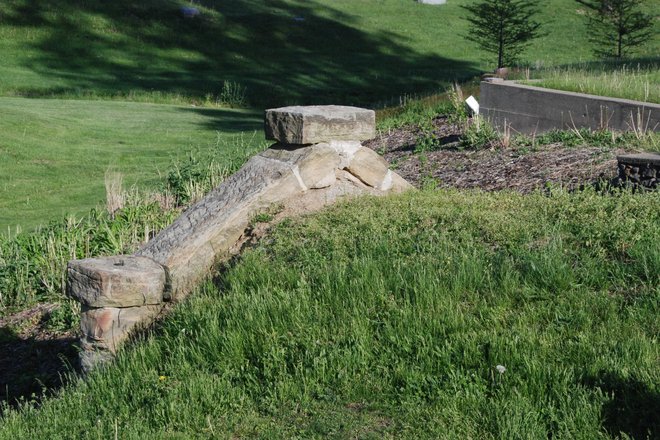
(35, 358)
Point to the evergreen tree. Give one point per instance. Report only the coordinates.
(616, 26)
(504, 27)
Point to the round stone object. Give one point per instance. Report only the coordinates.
(119, 281)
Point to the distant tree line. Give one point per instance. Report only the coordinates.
(507, 27)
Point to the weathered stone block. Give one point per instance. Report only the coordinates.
(369, 167)
(207, 230)
(315, 124)
(119, 281)
(106, 328)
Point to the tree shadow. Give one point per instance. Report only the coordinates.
(31, 368)
(281, 52)
(633, 407)
(227, 121)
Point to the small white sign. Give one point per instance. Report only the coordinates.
(473, 105)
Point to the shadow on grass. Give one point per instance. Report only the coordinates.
(31, 368)
(633, 407)
(228, 121)
(283, 52)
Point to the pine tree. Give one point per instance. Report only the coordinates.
(504, 27)
(617, 26)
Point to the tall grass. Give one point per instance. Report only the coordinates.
(32, 264)
(388, 318)
(636, 83)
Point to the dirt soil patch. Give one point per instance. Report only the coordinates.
(522, 169)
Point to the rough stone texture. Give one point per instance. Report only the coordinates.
(119, 281)
(639, 171)
(529, 109)
(105, 329)
(120, 293)
(314, 124)
(371, 169)
(190, 246)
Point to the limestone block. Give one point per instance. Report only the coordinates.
(316, 124)
(370, 168)
(345, 149)
(317, 168)
(312, 165)
(119, 281)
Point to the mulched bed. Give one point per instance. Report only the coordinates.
(492, 169)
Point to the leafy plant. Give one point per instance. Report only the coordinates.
(478, 134)
(232, 94)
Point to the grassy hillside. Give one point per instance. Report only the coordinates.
(55, 153)
(387, 318)
(281, 51)
(272, 52)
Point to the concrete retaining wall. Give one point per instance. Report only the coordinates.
(529, 109)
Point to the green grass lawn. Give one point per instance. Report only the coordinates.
(54, 153)
(387, 318)
(341, 51)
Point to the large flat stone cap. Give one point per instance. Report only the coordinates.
(640, 159)
(319, 123)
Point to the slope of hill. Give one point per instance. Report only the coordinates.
(281, 51)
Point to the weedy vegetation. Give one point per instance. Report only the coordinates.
(393, 318)
(639, 83)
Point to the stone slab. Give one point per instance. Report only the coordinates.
(432, 2)
(189, 247)
(300, 125)
(640, 159)
(119, 281)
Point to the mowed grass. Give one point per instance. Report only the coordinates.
(54, 153)
(388, 318)
(283, 51)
